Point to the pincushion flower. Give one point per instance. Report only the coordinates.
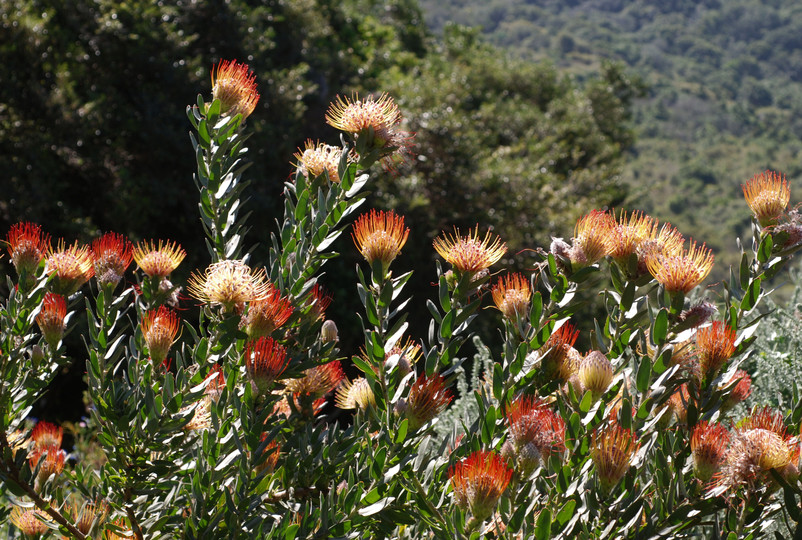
(678, 402)
(158, 260)
(427, 398)
(315, 159)
(379, 236)
(89, 514)
(611, 450)
(70, 267)
(709, 444)
(593, 239)
(270, 455)
(29, 521)
(629, 233)
(235, 86)
(681, 272)
(318, 300)
(741, 390)
(159, 328)
(229, 284)
(511, 294)
(715, 344)
(478, 482)
(470, 253)
(404, 356)
(355, 394)
(27, 247)
(265, 360)
(535, 434)
(49, 460)
(266, 315)
(51, 318)
(318, 380)
(46, 434)
(767, 195)
(556, 358)
(377, 116)
(112, 253)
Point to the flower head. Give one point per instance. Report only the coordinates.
(427, 398)
(50, 461)
(71, 267)
(266, 315)
(403, 356)
(158, 260)
(112, 253)
(679, 273)
(230, 284)
(741, 390)
(318, 300)
(270, 454)
(29, 521)
(536, 433)
(355, 394)
(315, 159)
(629, 233)
(159, 328)
(89, 514)
(27, 247)
(478, 482)
(235, 86)
(359, 116)
(708, 447)
(715, 344)
(265, 360)
(767, 195)
(379, 236)
(469, 253)
(511, 295)
(318, 380)
(557, 359)
(595, 373)
(51, 318)
(46, 434)
(593, 239)
(328, 332)
(611, 450)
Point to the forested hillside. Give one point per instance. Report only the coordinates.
(724, 98)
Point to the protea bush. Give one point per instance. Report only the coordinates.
(243, 423)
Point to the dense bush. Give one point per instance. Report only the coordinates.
(234, 425)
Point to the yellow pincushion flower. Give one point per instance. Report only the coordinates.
(767, 195)
(379, 236)
(315, 159)
(681, 272)
(470, 253)
(235, 86)
(230, 284)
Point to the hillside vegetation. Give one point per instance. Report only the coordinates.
(724, 100)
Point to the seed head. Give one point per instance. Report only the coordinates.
(235, 86)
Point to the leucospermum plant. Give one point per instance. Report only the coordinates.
(243, 423)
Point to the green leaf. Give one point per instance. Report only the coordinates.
(536, 310)
(751, 296)
(764, 249)
(743, 273)
(498, 381)
(660, 327)
(566, 512)
(446, 327)
(401, 432)
(291, 532)
(543, 527)
(587, 402)
(644, 375)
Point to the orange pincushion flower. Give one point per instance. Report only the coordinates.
(319, 300)
(318, 380)
(715, 344)
(629, 233)
(267, 315)
(679, 401)
(427, 398)
(611, 450)
(235, 86)
(229, 284)
(593, 239)
(741, 390)
(379, 236)
(404, 356)
(767, 195)
(511, 295)
(72, 267)
(556, 359)
(45, 434)
(159, 328)
(88, 515)
(265, 360)
(681, 272)
(158, 260)
(112, 253)
(355, 394)
(27, 246)
(536, 432)
(51, 318)
(469, 253)
(709, 448)
(357, 116)
(271, 454)
(478, 482)
(315, 159)
(29, 521)
(50, 460)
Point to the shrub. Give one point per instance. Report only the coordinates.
(233, 425)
